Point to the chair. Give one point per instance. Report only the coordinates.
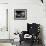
(33, 30)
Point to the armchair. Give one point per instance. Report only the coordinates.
(33, 30)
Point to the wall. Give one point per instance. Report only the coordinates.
(3, 21)
(3, 14)
(3, 1)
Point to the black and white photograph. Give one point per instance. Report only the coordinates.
(22, 22)
(20, 14)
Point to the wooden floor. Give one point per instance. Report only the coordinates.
(27, 44)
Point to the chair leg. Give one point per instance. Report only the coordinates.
(20, 42)
(32, 42)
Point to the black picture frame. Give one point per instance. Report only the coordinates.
(20, 14)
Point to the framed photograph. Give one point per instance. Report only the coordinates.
(20, 14)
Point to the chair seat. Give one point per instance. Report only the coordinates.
(27, 36)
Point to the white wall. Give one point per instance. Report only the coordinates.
(3, 21)
(3, 1)
(3, 14)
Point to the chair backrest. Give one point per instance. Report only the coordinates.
(33, 28)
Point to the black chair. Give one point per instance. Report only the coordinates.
(32, 29)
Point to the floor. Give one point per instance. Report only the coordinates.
(23, 44)
(26, 44)
(5, 44)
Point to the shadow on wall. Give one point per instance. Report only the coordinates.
(41, 34)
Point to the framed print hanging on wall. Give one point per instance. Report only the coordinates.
(20, 14)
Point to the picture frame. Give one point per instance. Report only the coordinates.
(20, 14)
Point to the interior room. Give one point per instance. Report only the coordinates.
(22, 22)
